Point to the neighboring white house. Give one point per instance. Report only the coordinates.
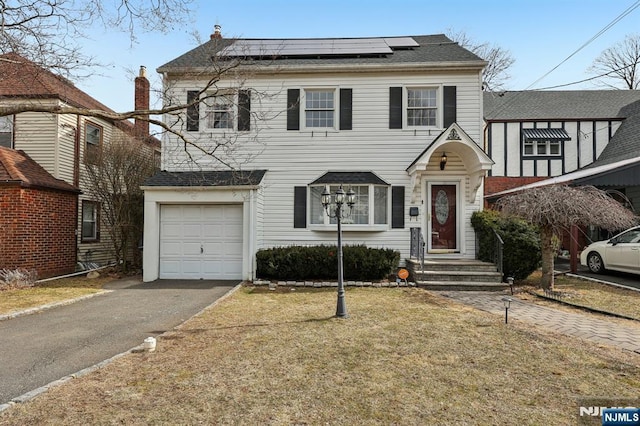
(397, 119)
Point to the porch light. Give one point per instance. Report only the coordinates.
(336, 211)
(443, 160)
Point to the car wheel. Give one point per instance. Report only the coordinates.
(594, 262)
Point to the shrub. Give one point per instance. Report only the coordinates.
(16, 278)
(321, 262)
(521, 254)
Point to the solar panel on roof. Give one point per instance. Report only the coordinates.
(401, 42)
(317, 47)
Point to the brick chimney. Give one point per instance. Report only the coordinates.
(142, 102)
(216, 32)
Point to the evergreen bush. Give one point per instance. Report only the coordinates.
(300, 263)
(522, 253)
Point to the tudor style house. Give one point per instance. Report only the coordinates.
(396, 119)
(50, 221)
(538, 138)
(536, 135)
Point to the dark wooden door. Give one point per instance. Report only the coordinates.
(443, 217)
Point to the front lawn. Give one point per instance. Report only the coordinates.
(59, 290)
(405, 356)
(592, 295)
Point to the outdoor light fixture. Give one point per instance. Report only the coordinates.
(336, 211)
(443, 160)
(507, 304)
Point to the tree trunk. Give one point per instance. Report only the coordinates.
(546, 241)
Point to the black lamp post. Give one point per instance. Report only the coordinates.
(335, 211)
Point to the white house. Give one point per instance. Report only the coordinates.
(397, 119)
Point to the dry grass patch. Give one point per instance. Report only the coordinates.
(593, 295)
(16, 300)
(405, 356)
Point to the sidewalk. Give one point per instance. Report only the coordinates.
(580, 325)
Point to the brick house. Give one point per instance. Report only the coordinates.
(62, 146)
(38, 219)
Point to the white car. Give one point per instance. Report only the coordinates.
(620, 253)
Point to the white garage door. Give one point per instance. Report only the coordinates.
(201, 241)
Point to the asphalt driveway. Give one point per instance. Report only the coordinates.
(621, 278)
(40, 348)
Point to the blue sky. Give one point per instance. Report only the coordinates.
(540, 34)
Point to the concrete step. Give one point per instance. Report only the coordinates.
(454, 264)
(462, 285)
(449, 275)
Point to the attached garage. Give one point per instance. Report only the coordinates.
(201, 241)
(202, 225)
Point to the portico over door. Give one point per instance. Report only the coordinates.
(443, 220)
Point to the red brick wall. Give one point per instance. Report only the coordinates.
(37, 230)
(493, 184)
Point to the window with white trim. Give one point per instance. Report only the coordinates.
(422, 107)
(371, 206)
(320, 108)
(534, 147)
(220, 112)
(6, 131)
(90, 225)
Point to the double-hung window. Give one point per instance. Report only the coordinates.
(220, 112)
(93, 142)
(422, 107)
(6, 131)
(371, 206)
(320, 108)
(90, 223)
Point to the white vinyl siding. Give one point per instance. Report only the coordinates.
(296, 159)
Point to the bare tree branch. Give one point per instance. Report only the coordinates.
(47, 31)
(619, 65)
(495, 75)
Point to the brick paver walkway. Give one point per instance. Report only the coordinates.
(581, 325)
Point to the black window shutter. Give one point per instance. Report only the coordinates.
(293, 109)
(397, 206)
(193, 111)
(449, 105)
(300, 207)
(345, 109)
(244, 110)
(395, 107)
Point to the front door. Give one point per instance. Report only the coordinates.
(443, 218)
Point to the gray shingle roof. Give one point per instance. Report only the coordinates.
(433, 49)
(624, 144)
(207, 178)
(558, 105)
(349, 178)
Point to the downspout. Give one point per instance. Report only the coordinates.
(76, 179)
